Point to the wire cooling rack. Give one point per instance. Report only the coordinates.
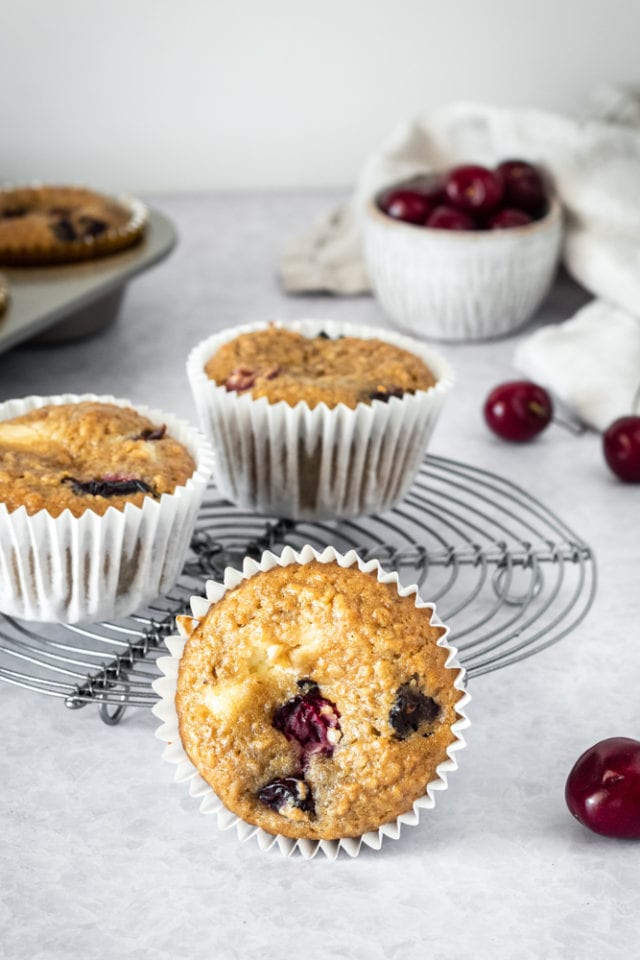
(508, 576)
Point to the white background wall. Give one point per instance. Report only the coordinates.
(158, 94)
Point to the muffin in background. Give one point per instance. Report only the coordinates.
(42, 224)
(322, 444)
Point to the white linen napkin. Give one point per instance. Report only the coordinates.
(591, 362)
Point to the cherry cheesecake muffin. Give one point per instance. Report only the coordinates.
(315, 419)
(87, 456)
(52, 224)
(98, 501)
(316, 701)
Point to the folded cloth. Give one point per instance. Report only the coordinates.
(595, 164)
(591, 362)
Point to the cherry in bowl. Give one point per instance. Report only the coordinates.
(474, 189)
(407, 205)
(603, 788)
(507, 218)
(523, 187)
(518, 410)
(448, 218)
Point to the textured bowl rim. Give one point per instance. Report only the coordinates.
(550, 218)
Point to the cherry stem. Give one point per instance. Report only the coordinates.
(635, 403)
(574, 427)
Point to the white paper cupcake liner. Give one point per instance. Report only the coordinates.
(210, 803)
(320, 463)
(71, 569)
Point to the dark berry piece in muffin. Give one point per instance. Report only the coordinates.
(411, 709)
(111, 485)
(383, 393)
(64, 230)
(310, 720)
(288, 796)
(158, 433)
(92, 226)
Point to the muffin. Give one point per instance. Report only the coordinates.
(50, 224)
(317, 699)
(97, 505)
(87, 456)
(283, 365)
(314, 419)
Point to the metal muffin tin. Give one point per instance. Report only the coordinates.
(67, 301)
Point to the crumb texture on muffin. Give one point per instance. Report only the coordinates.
(315, 701)
(87, 456)
(281, 364)
(49, 224)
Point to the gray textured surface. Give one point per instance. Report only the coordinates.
(101, 855)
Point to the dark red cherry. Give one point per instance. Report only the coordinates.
(508, 217)
(447, 218)
(410, 206)
(474, 189)
(621, 447)
(310, 720)
(523, 187)
(286, 794)
(603, 789)
(518, 410)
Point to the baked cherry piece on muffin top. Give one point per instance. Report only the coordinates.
(51, 224)
(315, 700)
(87, 456)
(281, 364)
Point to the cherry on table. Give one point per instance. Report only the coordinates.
(447, 218)
(621, 447)
(508, 217)
(474, 189)
(603, 788)
(523, 186)
(410, 206)
(518, 410)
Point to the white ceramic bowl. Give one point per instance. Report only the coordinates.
(460, 285)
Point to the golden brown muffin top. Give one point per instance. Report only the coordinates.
(280, 364)
(87, 456)
(315, 701)
(51, 224)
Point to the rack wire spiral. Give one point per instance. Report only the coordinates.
(508, 576)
